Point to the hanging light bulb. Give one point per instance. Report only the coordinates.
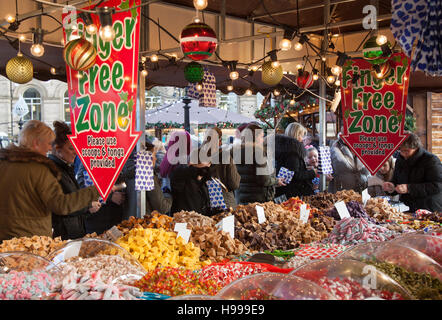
(234, 75)
(381, 39)
(230, 87)
(276, 92)
(285, 44)
(275, 64)
(37, 48)
(292, 102)
(336, 70)
(338, 82)
(22, 38)
(299, 66)
(330, 79)
(53, 70)
(298, 46)
(249, 92)
(154, 58)
(199, 86)
(91, 28)
(144, 73)
(300, 43)
(324, 59)
(107, 32)
(10, 18)
(200, 4)
(315, 77)
(255, 68)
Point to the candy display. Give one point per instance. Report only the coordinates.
(381, 210)
(421, 286)
(225, 273)
(39, 245)
(351, 231)
(273, 286)
(22, 285)
(175, 282)
(112, 268)
(154, 220)
(348, 279)
(24, 261)
(215, 245)
(193, 218)
(295, 262)
(282, 229)
(320, 251)
(92, 287)
(355, 209)
(429, 245)
(158, 247)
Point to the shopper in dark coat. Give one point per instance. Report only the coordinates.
(417, 177)
(189, 188)
(63, 155)
(222, 166)
(257, 182)
(290, 153)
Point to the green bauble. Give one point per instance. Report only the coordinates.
(194, 72)
(373, 52)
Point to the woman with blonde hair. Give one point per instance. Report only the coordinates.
(290, 153)
(29, 186)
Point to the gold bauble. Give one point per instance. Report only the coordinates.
(270, 75)
(19, 69)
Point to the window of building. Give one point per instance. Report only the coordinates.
(33, 100)
(66, 107)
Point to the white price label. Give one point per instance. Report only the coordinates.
(180, 226)
(184, 234)
(365, 196)
(227, 225)
(342, 210)
(304, 213)
(261, 214)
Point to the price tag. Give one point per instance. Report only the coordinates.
(261, 214)
(304, 213)
(180, 226)
(72, 251)
(227, 225)
(184, 234)
(365, 196)
(342, 210)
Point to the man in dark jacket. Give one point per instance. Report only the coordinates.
(290, 154)
(417, 177)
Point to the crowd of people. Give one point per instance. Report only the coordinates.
(49, 195)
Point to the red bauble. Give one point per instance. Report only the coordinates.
(304, 80)
(198, 41)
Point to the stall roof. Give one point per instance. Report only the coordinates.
(345, 18)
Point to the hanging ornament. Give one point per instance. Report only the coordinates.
(381, 71)
(19, 69)
(271, 75)
(194, 72)
(198, 41)
(79, 54)
(304, 80)
(373, 53)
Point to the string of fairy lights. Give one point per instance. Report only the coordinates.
(107, 33)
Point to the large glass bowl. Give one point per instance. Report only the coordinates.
(273, 286)
(362, 278)
(429, 245)
(24, 261)
(25, 276)
(78, 252)
(409, 259)
(361, 251)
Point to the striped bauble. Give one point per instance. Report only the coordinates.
(79, 54)
(304, 80)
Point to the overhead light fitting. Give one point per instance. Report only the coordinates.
(107, 32)
(381, 39)
(299, 45)
(200, 4)
(37, 49)
(91, 28)
(315, 74)
(234, 75)
(286, 42)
